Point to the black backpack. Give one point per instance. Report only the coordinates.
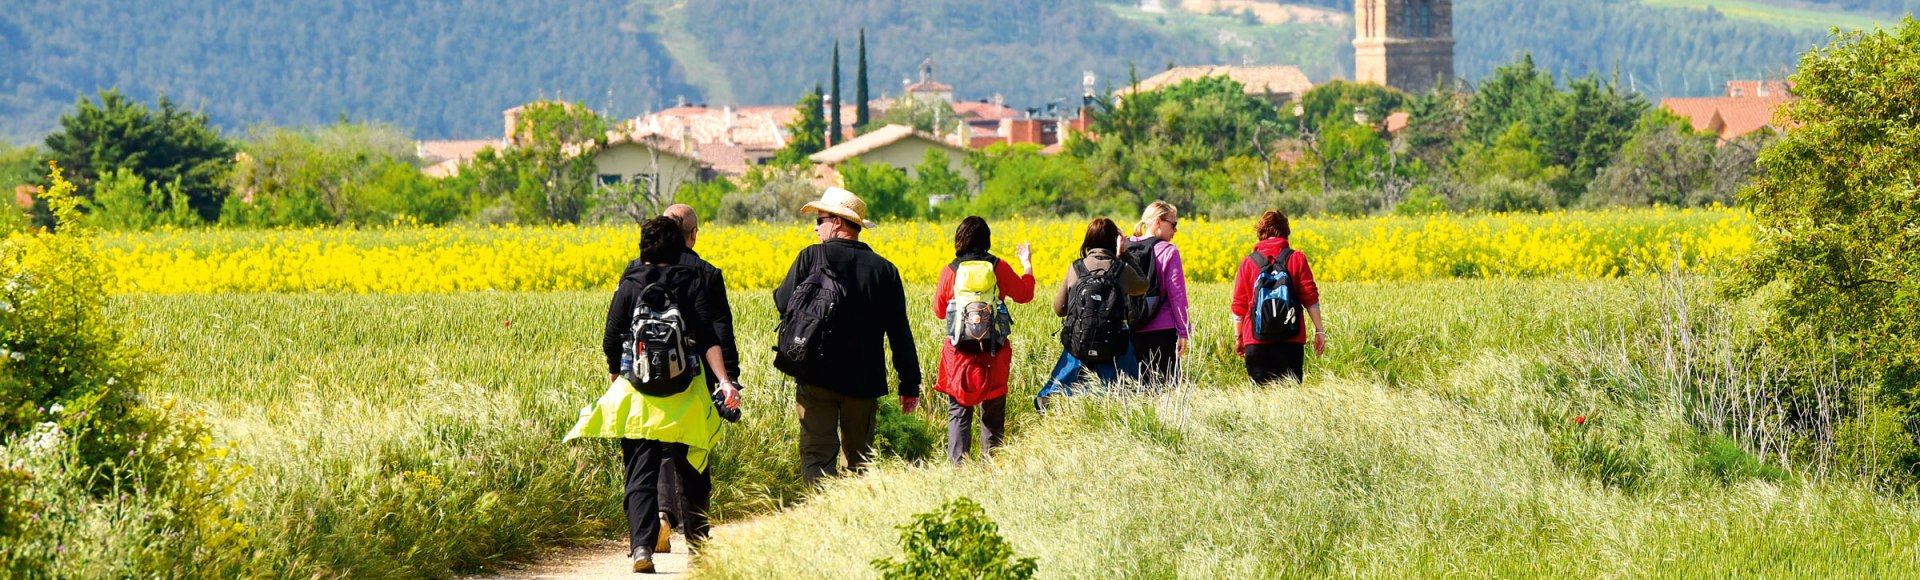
(1276, 305)
(1096, 325)
(805, 326)
(1141, 309)
(664, 361)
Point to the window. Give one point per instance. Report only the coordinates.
(609, 179)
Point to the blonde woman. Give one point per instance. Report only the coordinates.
(1159, 318)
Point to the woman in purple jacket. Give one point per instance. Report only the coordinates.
(1162, 340)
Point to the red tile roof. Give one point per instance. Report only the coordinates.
(1728, 117)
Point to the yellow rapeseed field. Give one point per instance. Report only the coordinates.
(434, 260)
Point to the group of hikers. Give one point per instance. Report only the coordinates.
(1123, 304)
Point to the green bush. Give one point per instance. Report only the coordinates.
(956, 541)
(899, 435)
(1725, 460)
(1836, 252)
(98, 481)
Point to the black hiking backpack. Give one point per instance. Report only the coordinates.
(1276, 305)
(1141, 309)
(1096, 325)
(662, 351)
(804, 327)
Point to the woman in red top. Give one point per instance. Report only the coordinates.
(978, 379)
(1271, 360)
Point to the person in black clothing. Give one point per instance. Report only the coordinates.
(837, 413)
(684, 490)
(661, 247)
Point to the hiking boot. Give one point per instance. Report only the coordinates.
(664, 544)
(643, 561)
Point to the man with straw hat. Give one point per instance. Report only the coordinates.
(839, 399)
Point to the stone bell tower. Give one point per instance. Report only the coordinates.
(1404, 44)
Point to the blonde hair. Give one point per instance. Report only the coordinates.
(1154, 212)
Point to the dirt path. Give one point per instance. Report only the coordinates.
(606, 559)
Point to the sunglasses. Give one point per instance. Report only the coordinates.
(823, 219)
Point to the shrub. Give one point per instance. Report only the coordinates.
(956, 541)
(1836, 205)
(108, 484)
(899, 435)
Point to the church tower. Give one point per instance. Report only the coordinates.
(1404, 44)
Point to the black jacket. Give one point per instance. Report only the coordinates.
(688, 286)
(713, 307)
(876, 308)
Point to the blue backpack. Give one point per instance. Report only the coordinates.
(1276, 307)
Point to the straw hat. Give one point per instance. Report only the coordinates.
(842, 203)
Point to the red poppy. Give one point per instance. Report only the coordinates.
(506, 323)
(1580, 420)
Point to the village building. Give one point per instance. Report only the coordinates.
(1404, 44)
(896, 146)
(1745, 107)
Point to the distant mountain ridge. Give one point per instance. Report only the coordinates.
(446, 69)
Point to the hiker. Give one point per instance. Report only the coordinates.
(976, 356)
(1092, 303)
(1159, 317)
(684, 490)
(1271, 289)
(837, 303)
(656, 344)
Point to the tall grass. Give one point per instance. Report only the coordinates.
(1503, 429)
(417, 435)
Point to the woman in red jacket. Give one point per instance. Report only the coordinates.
(975, 356)
(1278, 354)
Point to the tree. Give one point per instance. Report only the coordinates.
(1836, 207)
(124, 201)
(806, 134)
(1338, 99)
(833, 127)
(860, 97)
(1017, 179)
(1585, 127)
(1665, 162)
(165, 146)
(1165, 144)
(937, 182)
(347, 173)
(1516, 93)
(546, 173)
(886, 189)
(925, 115)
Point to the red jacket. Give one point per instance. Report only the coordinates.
(1243, 289)
(971, 378)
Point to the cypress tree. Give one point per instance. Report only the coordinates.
(833, 126)
(860, 86)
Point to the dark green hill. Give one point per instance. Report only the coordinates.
(441, 68)
(445, 69)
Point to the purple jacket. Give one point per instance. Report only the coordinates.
(1173, 283)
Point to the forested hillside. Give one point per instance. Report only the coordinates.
(446, 69)
(1659, 51)
(441, 68)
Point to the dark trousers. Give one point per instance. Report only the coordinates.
(685, 493)
(1267, 363)
(832, 424)
(993, 426)
(1158, 362)
(642, 459)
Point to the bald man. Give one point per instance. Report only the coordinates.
(684, 492)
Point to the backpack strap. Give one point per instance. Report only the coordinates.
(1260, 260)
(1286, 257)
